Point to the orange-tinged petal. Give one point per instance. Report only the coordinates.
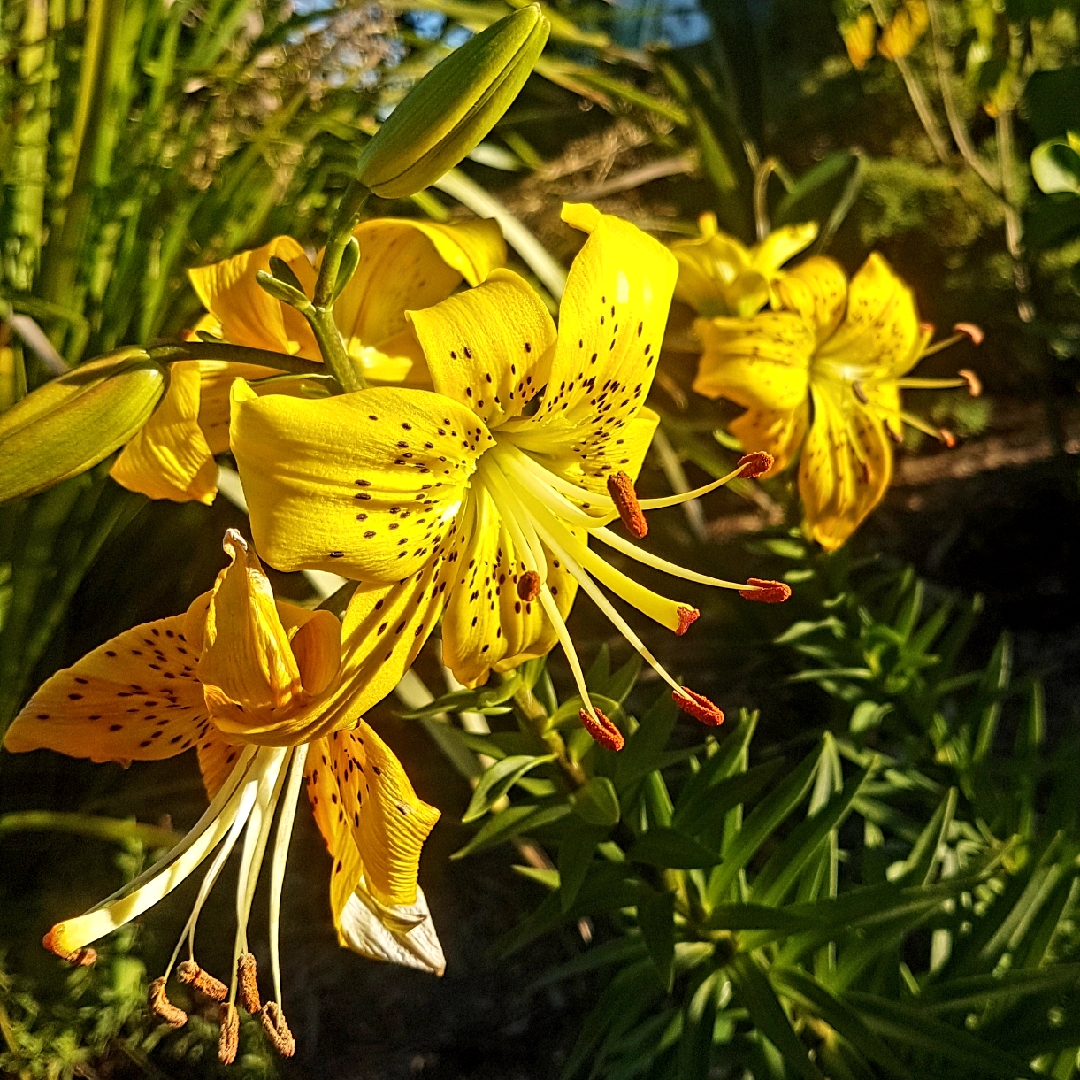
(246, 654)
(170, 457)
(907, 25)
(217, 756)
(761, 362)
(845, 468)
(216, 379)
(488, 348)
(315, 639)
(135, 698)
(248, 315)
(778, 432)
(781, 245)
(859, 35)
(817, 290)
(365, 485)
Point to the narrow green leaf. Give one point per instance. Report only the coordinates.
(921, 864)
(512, 821)
(669, 849)
(498, 780)
(656, 917)
(597, 802)
(575, 854)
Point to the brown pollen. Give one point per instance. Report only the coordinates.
(755, 464)
(82, 957)
(247, 974)
(528, 586)
(602, 729)
(766, 592)
(277, 1030)
(698, 706)
(687, 617)
(229, 1034)
(163, 1008)
(621, 489)
(190, 972)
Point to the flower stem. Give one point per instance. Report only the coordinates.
(535, 715)
(97, 828)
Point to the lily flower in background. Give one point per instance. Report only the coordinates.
(403, 264)
(719, 275)
(476, 501)
(259, 689)
(820, 376)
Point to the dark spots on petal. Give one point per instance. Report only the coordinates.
(80, 680)
(116, 727)
(335, 554)
(74, 697)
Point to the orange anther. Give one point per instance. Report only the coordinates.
(228, 1035)
(766, 592)
(602, 730)
(82, 957)
(687, 617)
(163, 1008)
(947, 437)
(698, 706)
(528, 586)
(755, 464)
(621, 489)
(187, 971)
(247, 974)
(970, 330)
(277, 1030)
(975, 386)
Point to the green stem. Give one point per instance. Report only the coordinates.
(236, 354)
(535, 715)
(97, 828)
(328, 338)
(346, 219)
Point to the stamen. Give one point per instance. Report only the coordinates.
(973, 381)
(602, 729)
(971, 331)
(698, 706)
(247, 973)
(277, 1030)
(190, 972)
(687, 617)
(163, 1008)
(755, 464)
(547, 602)
(745, 463)
(621, 489)
(860, 394)
(229, 1035)
(624, 546)
(528, 586)
(82, 957)
(947, 437)
(766, 592)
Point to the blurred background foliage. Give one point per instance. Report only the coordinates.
(872, 869)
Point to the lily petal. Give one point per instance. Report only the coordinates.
(817, 290)
(778, 432)
(403, 934)
(783, 244)
(489, 348)
(315, 639)
(217, 757)
(134, 698)
(365, 485)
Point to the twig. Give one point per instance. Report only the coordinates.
(656, 170)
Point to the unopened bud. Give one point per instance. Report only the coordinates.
(621, 489)
(277, 1030)
(163, 1008)
(602, 729)
(247, 974)
(766, 592)
(528, 586)
(71, 423)
(453, 107)
(228, 1035)
(280, 290)
(755, 464)
(698, 706)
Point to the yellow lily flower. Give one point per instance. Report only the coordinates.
(475, 502)
(259, 688)
(403, 264)
(822, 374)
(718, 275)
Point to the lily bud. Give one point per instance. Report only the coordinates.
(453, 107)
(71, 423)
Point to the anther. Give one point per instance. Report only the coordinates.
(621, 489)
(755, 464)
(528, 586)
(698, 706)
(973, 381)
(82, 957)
(247, 974)
(860, 393)
(187, 971)
(970, 331)
(602, 729)
(766, 592)
(229, 1034)
(947, 437)
(163, 1008)
(277, 1030)
(687, 617)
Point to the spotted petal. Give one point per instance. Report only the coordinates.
(489, 348)
(817, 290)
(778, 432)
(365, 485)
(399, 934)
(134, 698)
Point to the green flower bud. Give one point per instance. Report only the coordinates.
(70, 424)
(454, 106)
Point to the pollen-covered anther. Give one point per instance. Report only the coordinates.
(766, 592)
(602, 729)
(277, 1030)
(755, 464)
(698, 706)
(187, 971)
(687, 617)
(82, 957)
(528, 586)
(974, 383)
(621, 489)
(971, 331)
(947, 437)
(247, 975)
(228, 1035)
(163, 1008)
